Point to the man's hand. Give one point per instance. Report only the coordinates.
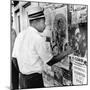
(69, 50)
(59, 57)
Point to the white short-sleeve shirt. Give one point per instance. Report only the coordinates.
(31, 51)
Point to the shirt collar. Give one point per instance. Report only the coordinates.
(33, 29)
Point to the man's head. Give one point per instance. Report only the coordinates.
(37, 18)
(38, 24)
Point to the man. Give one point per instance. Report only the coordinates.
(32, 52)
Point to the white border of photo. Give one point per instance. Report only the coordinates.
(5, 43)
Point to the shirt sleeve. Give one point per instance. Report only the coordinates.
(14, 53)
(43, 50)
(16, 47)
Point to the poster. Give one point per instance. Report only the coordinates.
(79, 70)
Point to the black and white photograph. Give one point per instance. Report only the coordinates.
(48, 44)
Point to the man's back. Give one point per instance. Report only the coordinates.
(26, 54)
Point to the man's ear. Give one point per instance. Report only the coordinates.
(48, 39)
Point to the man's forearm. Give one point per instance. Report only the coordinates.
(14, 61)
(57, 58)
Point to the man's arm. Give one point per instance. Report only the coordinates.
(14, 61)
(59, 57)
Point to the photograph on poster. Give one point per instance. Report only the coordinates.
(49, 44)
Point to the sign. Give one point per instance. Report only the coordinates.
(79, 70)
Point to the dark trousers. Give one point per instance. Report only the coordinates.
(14, 77)
(34, 80)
